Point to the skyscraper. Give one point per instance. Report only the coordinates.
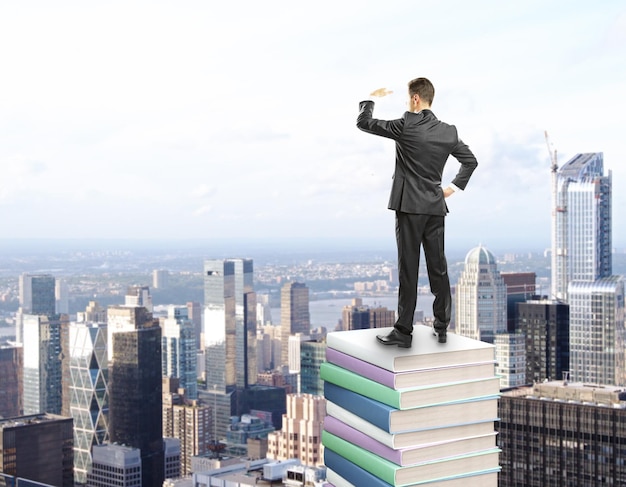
(229, 334)
(179, 350)
(11, 385)
(42, 375)
(545, 324)
(582, 270)
(480, 297)
(37, 297)
(135, 414)
(581, 247)
(294, 314)
(89, 392)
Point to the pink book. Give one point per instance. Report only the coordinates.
(411, 455)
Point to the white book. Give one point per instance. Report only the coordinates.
(488, 479)
(426, 352)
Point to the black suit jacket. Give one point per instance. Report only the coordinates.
(423, 144)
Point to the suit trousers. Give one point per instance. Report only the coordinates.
(412, 232)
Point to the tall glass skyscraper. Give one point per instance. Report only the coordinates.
(229, 334)
(135, 387)
(42, 373)
(582, 250)
(480, 297)
(178, 356)
(89, 392)
(582, 270)
(294, 314)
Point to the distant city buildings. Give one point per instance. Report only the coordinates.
(480, 297)
(520, 287)
(358, 316)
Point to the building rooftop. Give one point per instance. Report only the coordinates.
(480, 256)
(573, 392)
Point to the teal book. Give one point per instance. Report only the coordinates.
(401, 476)
(411, 397)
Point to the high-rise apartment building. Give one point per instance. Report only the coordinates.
(582, 269)
(562, 434)
(545, 324)
(11, 384)
(39, 448)
(510, 359)
(189, 421)
(179, 350)
(480, 297)
(62, 296)
(42, 372)
(229, 334)
(89, 392)
(294, 314)
(135, 413)
(300, 436)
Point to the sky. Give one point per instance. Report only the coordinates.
(236, 120)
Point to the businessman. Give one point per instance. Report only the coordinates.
(423, 144)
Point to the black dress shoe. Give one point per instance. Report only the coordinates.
(442, 336)
(395, 338)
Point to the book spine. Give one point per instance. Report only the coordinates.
(342, 430)
(361, 385)
(371, 411)
(361, 367)
(351, 472)
(378, 466)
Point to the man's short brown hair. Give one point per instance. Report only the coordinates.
(424, 88)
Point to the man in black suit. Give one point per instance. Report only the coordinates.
(423, 144)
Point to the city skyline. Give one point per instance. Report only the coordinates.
(125, 120)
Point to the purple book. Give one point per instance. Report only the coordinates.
(409, 456)
(414, 378)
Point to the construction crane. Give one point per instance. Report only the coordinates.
(559, 246)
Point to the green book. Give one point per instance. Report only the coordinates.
(399, 476)
(411, 397)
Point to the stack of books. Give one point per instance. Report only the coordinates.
(407, 417)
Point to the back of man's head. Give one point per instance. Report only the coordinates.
(424, 88)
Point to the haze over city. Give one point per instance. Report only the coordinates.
(198, 120)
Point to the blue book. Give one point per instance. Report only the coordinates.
(394, 420)
(342, 473)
